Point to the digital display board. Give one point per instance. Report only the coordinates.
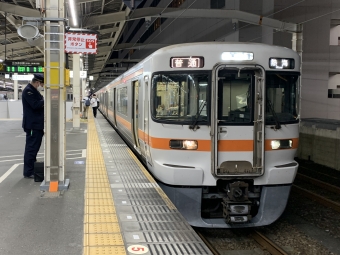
(24, 69)
(187, 62)
(281, 63)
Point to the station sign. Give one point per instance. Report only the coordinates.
(22, 66)
(22, 77)
(76, 43)
(82, 74)
(24, 69)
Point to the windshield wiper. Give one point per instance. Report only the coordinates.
(194, 125)
(276, 119)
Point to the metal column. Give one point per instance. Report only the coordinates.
(55, 94)
(297, 44)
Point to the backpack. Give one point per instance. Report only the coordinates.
(97, 103)
(87, 102)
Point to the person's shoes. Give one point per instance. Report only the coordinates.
(29, 177)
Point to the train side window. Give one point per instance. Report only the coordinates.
(122, 100)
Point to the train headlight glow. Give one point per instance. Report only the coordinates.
(281, 144)
(275, 144)
(237, 56)
(183, 144)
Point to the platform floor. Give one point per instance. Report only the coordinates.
(112, 206)
(34, 222)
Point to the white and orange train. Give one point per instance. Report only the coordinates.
(217, 124)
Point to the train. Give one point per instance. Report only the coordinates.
(216, 124)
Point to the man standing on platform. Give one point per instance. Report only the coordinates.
(94, 104)
(33, 121)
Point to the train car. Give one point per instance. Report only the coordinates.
(217, 124)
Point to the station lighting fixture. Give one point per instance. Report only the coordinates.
(73, 12)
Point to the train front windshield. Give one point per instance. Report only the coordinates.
(180, 97)
(281, 97)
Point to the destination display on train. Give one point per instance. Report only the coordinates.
(187, 62)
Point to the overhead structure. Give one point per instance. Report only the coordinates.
(130, 30)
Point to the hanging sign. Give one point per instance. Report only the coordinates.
(80, 43)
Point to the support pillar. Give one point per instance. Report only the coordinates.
(297, 40)
(76, 91)
(15, 87)
(55, 97)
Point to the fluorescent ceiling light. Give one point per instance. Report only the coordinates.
(73, 13)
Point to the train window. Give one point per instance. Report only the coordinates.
(281, 101)
(122, 100)
(180, 97)
(235, 96)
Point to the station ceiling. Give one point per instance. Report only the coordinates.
(128, 30)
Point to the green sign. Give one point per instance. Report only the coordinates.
(24, 69)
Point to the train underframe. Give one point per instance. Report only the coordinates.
(229, 204)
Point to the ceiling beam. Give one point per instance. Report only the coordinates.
(108, 30)
(250, 18)
(16, 45)
(123, 60)
(141, 46)
(11, 35)
(108, 40)
(106, 49)
(84, 1)
(19, 10)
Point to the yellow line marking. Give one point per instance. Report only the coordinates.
(102, 233)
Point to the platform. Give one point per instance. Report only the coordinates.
(112, 206)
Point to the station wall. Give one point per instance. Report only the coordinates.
(320, 145)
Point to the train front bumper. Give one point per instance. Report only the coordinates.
(188, 201)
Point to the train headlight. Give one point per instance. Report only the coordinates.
(275, 144)
(237, 55)
(183, 144)
(281, 144)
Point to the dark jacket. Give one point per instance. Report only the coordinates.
(33, 108)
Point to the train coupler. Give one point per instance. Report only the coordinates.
(236, 212)
(236, 205)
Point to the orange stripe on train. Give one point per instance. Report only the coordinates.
(203, 145)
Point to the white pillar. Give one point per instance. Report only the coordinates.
(16, 94)
(55, 91)
(76, 91)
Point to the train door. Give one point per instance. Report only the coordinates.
(146, 120)
(106, 103)
(237, 121)
(114, 106)
(135, 114)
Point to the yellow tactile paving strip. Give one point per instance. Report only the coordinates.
(101, 228)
